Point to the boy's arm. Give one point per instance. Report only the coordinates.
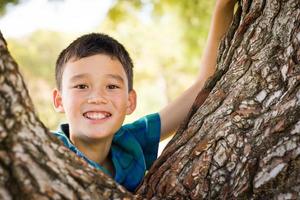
(175, 112)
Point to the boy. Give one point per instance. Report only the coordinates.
(94, 89)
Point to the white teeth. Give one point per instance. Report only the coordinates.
(96, 115)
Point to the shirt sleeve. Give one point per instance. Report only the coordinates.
(146, 130)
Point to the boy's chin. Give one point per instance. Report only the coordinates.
(103, 135)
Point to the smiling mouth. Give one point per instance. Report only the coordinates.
(96, 115)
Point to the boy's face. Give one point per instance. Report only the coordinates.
(94, 96)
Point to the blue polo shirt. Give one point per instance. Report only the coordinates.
(134, 148)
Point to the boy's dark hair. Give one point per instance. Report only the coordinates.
(92, 44)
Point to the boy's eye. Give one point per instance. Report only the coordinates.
(111, 87)
(81, 86)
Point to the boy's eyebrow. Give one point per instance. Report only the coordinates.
(115, 76)
(79, 76)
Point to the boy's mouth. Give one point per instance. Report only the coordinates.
(96, 115)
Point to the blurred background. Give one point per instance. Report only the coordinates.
(165, 39)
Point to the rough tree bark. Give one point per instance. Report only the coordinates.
(242, 142)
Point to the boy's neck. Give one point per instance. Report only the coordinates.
(95, 151)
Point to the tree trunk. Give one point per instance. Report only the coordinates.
(242, 142)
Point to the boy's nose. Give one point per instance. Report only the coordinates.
(97, 98)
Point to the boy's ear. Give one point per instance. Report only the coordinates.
(131, 102)
(57, 101)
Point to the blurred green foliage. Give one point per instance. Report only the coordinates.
(165, 39)
(192, 20)
(37, 53)
(4, 3)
